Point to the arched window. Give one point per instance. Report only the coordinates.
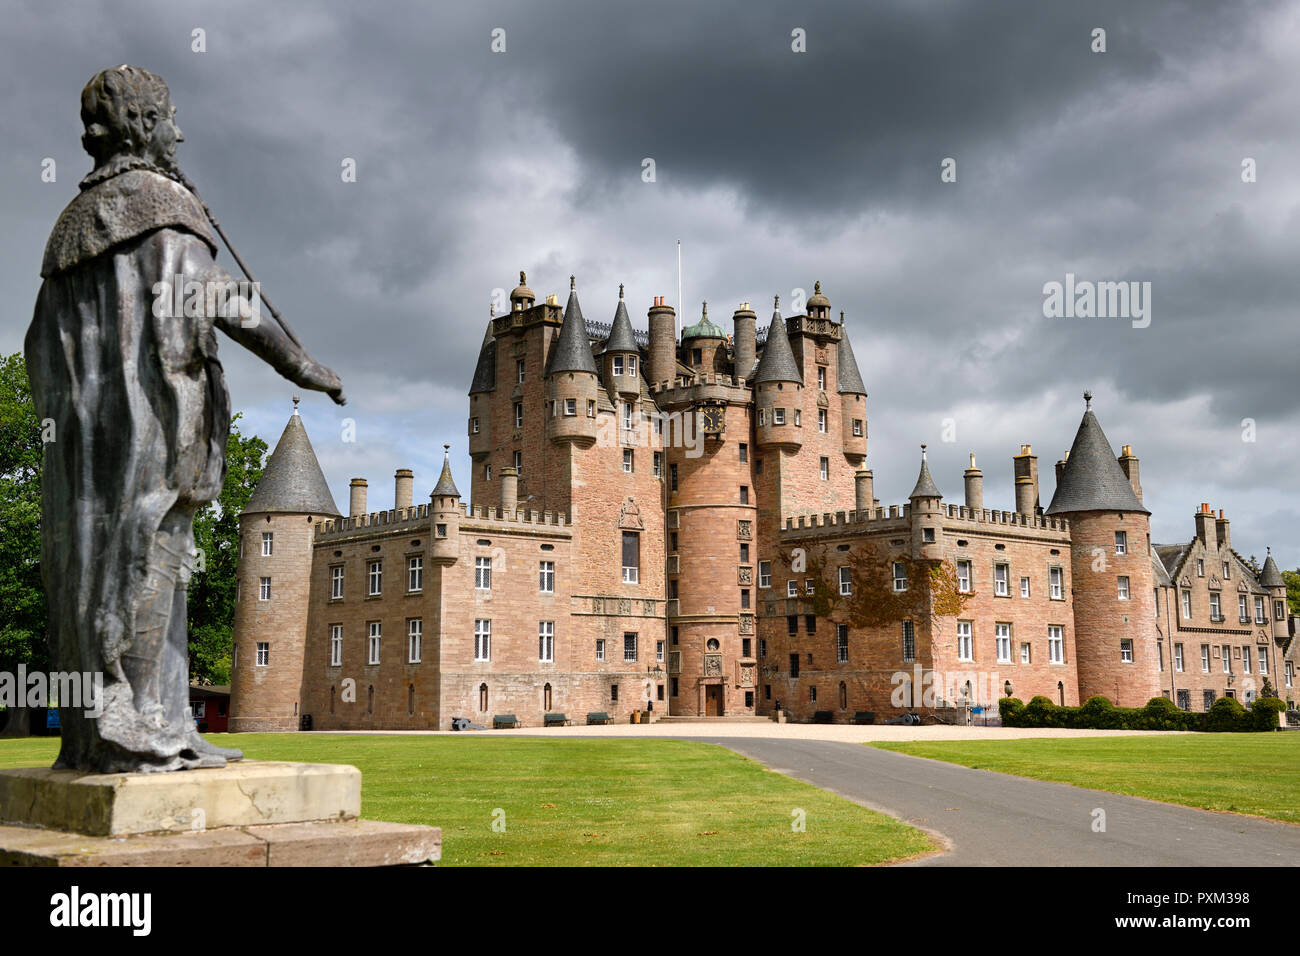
(331, 699)
(844, 696)
(482, 698)
(370, 700)
(410, 700)
(546, 697)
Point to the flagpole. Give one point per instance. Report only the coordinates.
(679, 289)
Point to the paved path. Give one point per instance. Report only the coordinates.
(993, 819)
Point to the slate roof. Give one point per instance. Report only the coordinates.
(1172, 556)
(1159, 573)
(445, 485)
(1093, 479)
(1270, 576)
(485, 372)
(292, 481)
(777, 363)
(850, 378)
(621, 338)
(572, 349)
(925, 486)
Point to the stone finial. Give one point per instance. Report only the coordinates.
(572, 283)
(1087, 400)
(620, 290)
(923, 451)
(523, 279)
(817, 287)
(776, 302)
(296, 400)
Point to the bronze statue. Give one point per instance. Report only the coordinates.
(141, 415)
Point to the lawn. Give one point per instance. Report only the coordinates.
(1258, 774)
(584, 802)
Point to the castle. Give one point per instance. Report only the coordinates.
(755, 569)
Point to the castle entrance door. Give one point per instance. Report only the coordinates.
(712, 700)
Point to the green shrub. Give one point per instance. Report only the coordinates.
(1011, 709)
(1226, 715)
(1263, 713)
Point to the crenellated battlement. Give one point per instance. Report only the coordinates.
(396, 519)
(898, 516)
(488, 515)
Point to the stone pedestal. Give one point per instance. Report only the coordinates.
(249, 813)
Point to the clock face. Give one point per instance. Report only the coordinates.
(713, 419)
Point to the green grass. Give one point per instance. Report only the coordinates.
(1257, 774)
(584, 802)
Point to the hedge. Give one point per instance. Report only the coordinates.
(1097, 713)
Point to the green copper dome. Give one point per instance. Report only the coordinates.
(704, 329)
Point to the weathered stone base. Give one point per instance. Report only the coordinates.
(251, 813)
(345, 843)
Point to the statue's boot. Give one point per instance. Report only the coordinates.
(196, 743)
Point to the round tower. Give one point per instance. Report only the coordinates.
(927, 515)
(480, 398)
(1271, 578)
(572, 380)
(853, 399)
(621, 357)
(445, 513)
(743, 322)
(1115, 639)
(777, 385)
(702, 343)
(663, 342)
(277, 532)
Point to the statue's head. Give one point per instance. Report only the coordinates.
(127, 112)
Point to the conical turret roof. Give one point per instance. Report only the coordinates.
(925, 486)
(1092, 479)
(445, 486)
(292, 481)
(1271, 577)
(777, 363)
(572, 349)
(485, 372)
(850, 378)
(621, 338)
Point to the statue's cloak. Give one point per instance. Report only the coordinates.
(140, 417)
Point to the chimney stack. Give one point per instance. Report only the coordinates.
(663, 342)
(509, 491)
(863, 484)
(403, 485)
(1129, 464)
(1205, 527)
(1221, 529)
(974, 486)
(357, 498)
(744, 320)
(1026, 467)
(1060, 468)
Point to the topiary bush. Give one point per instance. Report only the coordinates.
(1010, 709)
(1263, 713)
(1226, 715)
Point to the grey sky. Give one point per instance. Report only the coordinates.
(775, 169)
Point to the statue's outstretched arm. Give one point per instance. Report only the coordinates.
(262, 335)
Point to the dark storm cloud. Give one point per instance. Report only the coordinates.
(775, 169)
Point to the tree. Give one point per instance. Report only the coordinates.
(22, 596)
(216, 535)
(1292, 579)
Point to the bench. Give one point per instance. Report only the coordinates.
(864, 717)
(599, 718)
(505, 720)
(556, 720)
(822, 717)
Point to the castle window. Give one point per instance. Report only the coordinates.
(812, 694)
(571, 406)
(546, 641)
(762, 647)
(760, 416)
(927, 535)
(1121, 542)
(546, 697)
(909, 642)
(519, 414)
(414, 640)
(842, 644)
(332, 694)
(1178, 658)
(746, 646)
(672, 541)
(336, 583)
(778, 416)
(1260, 616)
(1215, 616)
(794, 665)
(373, 642)
(744, 494)
(1200, 567)
(1226, 568)
(1207, 697)
(1243, 612)
(631, 365)
(857, 428)
(744, 598)
(1263, 661)
(675, 635)
(1205, 658)
(1001, 585)
(483, 573)
(744, 552)
(791, 588)
(613, 693)
(263, 653)
(1184, 700)
(792, 624)
(410, 700)
(370, 699)
(519, 464)
(618, 365)
(627, 460)
(1126, 650)
(765, 574)
(1002, 635)
(600, 648)
(823, 466)
(631, 557)
(846, 581)
(744, 452)
(821, 377)
(482, 640)
(697, 356)
(591, 408)
(627, 416)
(629, 648)
(482, 698)
(376, 577)
(672, 589)
(264, 592)
(965, 648)
(1227, 659)
(821, 419)
(810, 623)
(963, 577)
(519, 370)
(415, 574)
(808, 586)
(268, 539)
(798, 418)
(440, 530)
(674, 687)
(1055, 644)
(1024, 587)
(900, 577)
(1057, 589)
(658, 464)
(336, 645)
(1279, 610)
(1025, 653)
(1290, 678)
(546, 577)
(473, 426)
(1245, 660)
(672, 477)
(487, 472)
(659, 651)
